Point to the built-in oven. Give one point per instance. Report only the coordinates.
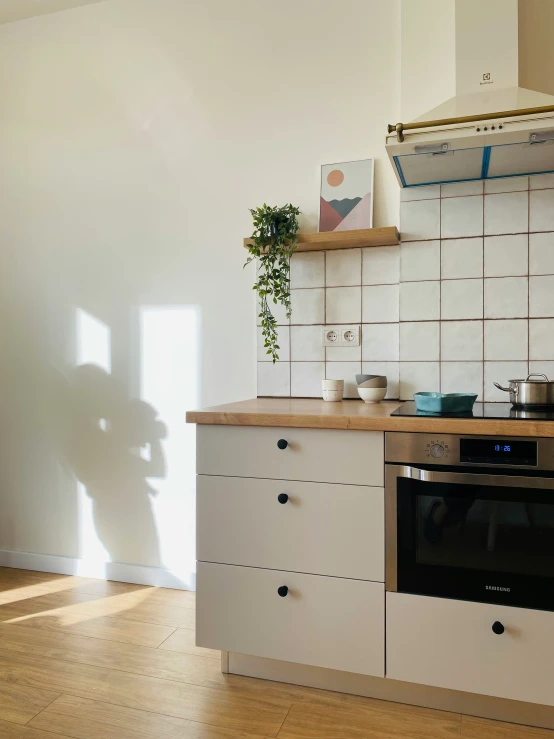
(471, 518)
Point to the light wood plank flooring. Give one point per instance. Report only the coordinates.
(91, 659)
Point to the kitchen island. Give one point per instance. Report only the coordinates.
(293, 556)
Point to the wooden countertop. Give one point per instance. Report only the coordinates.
(354, 414)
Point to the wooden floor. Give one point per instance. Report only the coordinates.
(104, 660)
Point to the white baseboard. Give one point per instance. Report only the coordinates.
(137, 574)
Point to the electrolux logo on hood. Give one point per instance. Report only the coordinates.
(487, 79)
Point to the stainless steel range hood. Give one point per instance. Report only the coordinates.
(490, 128)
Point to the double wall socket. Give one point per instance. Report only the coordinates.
(340, 336)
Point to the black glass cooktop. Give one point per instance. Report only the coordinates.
(482, 410)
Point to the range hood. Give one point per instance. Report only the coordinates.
(491, 128)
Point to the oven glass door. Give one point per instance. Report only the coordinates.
(479, 537)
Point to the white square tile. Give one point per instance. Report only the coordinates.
(344, 353)
(418, 377)
(541, 338)
(282, 340)
(380, 304)
(541, 296)
(425, 192)
(461, 258)
(506, 340)
(461, 299)
(506, 184)
(346, 371)
(502, 373)
(273, 379)
(506, 297)
(307, 269)
(308, 306)
(506, 256)
(542, 181)
(420, 301)
(343, 267)
(541, 254)
(420, 220)
(278, 311)
(306, 379)
(507, 213)
(461, 217)
(380, 342)
(343, 305)
(307, 344)
(456, 189)
(381, 265)
(541, 210)
(420, 260)
(461, 341)
(462, 377)
(390, 370)
(542, 368)
(419, 342)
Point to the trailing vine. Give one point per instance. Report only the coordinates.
(272, 243)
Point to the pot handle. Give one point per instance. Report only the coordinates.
(536, 374)
(504, 389)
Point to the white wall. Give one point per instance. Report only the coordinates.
(536, 51)
(428, 70)
(134, 136)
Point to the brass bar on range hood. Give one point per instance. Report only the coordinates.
(401, 127)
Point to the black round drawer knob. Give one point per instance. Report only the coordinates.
(498, 628)
(282, 443)
(282, 498)
(283, 590)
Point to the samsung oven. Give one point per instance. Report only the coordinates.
(471, 518)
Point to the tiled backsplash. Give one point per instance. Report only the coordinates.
(466, 300)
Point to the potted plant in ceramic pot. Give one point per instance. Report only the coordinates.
(272, 243)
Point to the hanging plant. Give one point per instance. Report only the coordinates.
(272, 244)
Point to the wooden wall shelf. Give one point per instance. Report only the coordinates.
(385, 236)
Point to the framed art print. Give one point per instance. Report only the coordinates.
(346, 196)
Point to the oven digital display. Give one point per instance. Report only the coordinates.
(498, 451)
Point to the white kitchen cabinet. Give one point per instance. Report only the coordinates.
(321, 528)
(323, 621)
(311, 455)
(451, 644)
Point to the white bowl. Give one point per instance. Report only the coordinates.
(379, 382)
(372, 394)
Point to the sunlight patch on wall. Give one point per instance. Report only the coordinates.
(93, 347)
(170, 358)
(93, 341)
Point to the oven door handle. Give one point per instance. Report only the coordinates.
(464, 478)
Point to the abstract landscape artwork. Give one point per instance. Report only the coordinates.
(346, 200)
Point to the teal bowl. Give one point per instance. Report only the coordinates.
(444, 402)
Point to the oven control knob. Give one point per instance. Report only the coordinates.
(437, 451)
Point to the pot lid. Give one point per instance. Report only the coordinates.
(529, 378)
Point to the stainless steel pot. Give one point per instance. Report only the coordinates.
(530, 393)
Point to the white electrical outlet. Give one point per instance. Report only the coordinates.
(349, 336)
(341, 336)
(330, 336)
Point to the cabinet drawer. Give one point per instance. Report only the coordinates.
(322, 528)
(322, 621)
(313, 455)
(451, 644)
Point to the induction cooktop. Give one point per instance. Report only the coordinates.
(482, 410)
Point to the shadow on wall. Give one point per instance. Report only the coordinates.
(113, 445)
(97, 463)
